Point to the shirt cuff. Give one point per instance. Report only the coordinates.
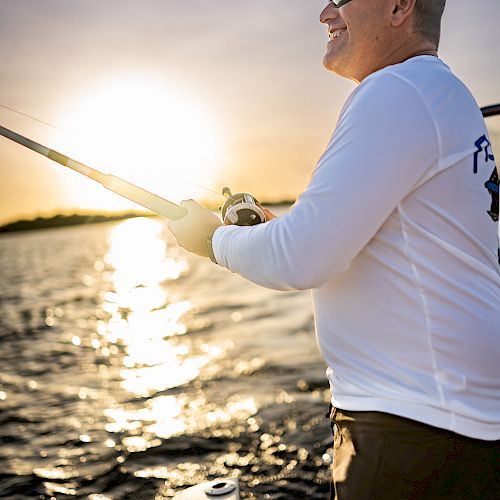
(218, 244)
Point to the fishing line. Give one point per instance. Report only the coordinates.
(33, 118)
(218, 193)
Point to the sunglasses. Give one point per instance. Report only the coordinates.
(339, 3)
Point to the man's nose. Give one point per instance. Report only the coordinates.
(329, 12)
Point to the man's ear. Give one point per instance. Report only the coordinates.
(402, 10)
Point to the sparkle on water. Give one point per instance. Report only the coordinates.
(149, 324)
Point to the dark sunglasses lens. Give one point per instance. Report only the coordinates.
(339, 3)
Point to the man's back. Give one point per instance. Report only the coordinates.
(413, 325)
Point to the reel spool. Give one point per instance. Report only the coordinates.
(241, 209)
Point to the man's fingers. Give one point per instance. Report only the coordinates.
(269, 215)
(188, 203)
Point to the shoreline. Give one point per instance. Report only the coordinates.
(61, 220)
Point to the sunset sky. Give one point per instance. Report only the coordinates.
(176, 94)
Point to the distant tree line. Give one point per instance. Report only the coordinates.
(64, 220)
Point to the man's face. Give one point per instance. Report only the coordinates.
(360, 37)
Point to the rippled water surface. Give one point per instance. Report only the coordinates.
(130, 369)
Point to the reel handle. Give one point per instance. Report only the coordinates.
(241, 209)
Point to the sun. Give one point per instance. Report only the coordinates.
(150, 133)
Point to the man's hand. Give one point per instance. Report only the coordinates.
(192, 231)
(269, 215)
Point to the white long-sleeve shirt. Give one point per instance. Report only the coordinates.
(397, 237)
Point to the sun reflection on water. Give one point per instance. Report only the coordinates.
(142, 315)
(145, 330)
(138, 255)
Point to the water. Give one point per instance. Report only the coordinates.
(130, 369)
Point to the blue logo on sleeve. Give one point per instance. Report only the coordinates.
(483, 145)
(487, 155)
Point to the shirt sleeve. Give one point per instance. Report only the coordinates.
(385, 144)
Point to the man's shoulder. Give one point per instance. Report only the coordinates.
(391, 88)
(420, 73)
(423, 81)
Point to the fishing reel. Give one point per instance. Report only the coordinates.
(241, 209)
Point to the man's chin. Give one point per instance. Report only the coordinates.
(334, 65)
(327, 61)
(331, 64)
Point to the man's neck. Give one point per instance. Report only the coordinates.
(402, 53)
(411, 46)
(421, 53)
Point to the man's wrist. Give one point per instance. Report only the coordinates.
(210, 248)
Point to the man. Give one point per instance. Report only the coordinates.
(397, 237)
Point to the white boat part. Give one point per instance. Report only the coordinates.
(219, 489)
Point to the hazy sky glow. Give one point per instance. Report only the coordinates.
(219, 93)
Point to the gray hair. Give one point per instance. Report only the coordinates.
(428, 15)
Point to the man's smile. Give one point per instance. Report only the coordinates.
(336, 33)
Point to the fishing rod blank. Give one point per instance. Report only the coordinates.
(115, 184)
(492, 110)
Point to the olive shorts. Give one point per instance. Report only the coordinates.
(382, 456)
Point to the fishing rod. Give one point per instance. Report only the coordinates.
(111, 182)
(241, 209)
